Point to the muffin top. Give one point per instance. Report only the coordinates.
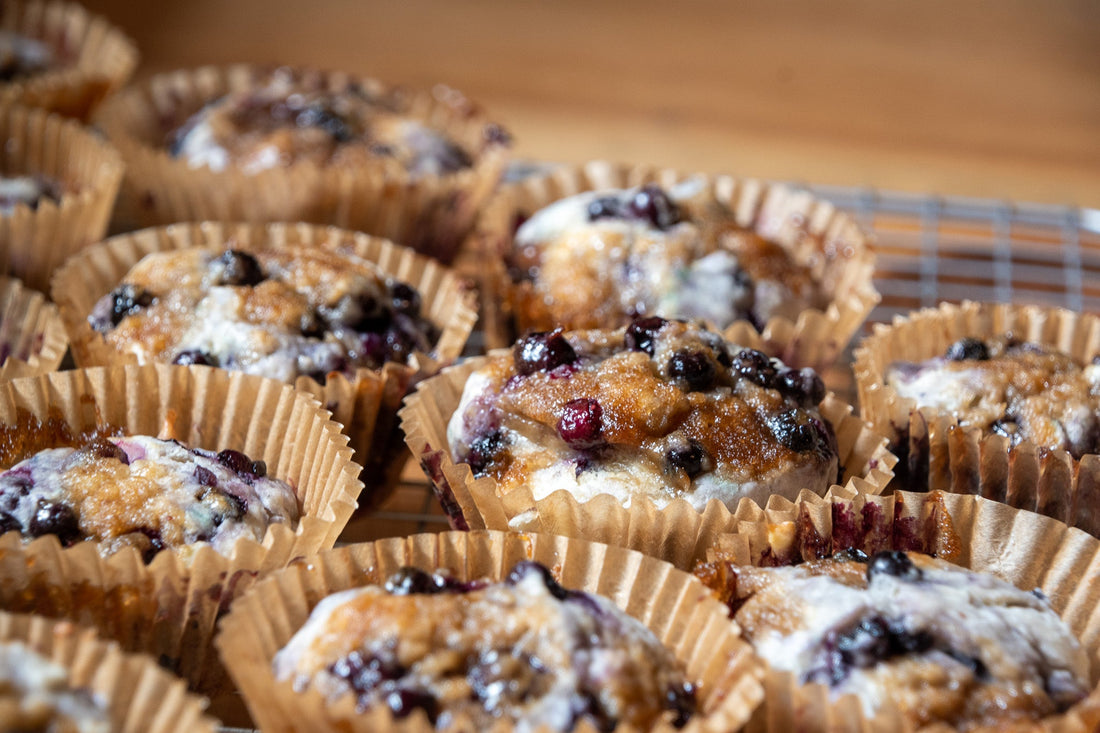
(280, 312)
(600, 258)
(21, 56)
(1020, 390)
(661, 409)
(945, 644)
(292, 117)
(144, 492)
(524, 650)
(35, 695)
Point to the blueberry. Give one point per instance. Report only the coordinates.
(495, 134)
(205, 477)
(239, 268)
(605, 207)
(526, 567)
(968, 349)
(542, 351)
(56, 519)
(641, 334)
(365, 674)
(125, 300)
(691, 459)
(194, 356)
(581, 423)
(156, 544)
(321, 116)
(652, 204)
(405, 299)
(894, 563)
(851, 554)
(680, 699)
(804, 385)
(483, 451)
(409, 581)
(403, 701)
(862, 644)
(8, 523)
(794, 429)
(103, 448)
(754, 366)
(693, 367)
(241, 464)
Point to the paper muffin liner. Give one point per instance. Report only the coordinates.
(677, 533)
(32, 337)
(99, 57)
(811, 229)
(936, 453)
(168, 608)
(138, 696)
(1024, 548)
(34, 242)
(431, 214)
(366, 404)
(673, 604)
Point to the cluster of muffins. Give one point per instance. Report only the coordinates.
(662, 518)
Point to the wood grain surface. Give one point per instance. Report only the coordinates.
(987, 98)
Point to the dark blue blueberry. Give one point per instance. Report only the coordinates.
(605, 207)
(496, 135)
(894, 563)
(205, 477)
(156, 544)
(527, 567)
(8, 523)
(194, 356)
(693, 367)
(56, 519)
(652, 204)
(365, 674)
(862, 644)
(241, 464)
(795, 430)
(691, 459)
(804, 385)
(125, 300)
(642, 333)
(974, 664)
(581, 423)
(543, 351)
(403, 702)
(968, 348)
(103, 448)
(405, 299)
(239, 268)
(680, 699)
(324, 118)
(409, 581)
(754, 366)
(483, 451)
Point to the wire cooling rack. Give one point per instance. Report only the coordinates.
(930, 249)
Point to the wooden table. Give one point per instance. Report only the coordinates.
(991, 98)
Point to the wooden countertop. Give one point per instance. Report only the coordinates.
(991, 98)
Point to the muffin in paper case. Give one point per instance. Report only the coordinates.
(138, 696)
(936, 453)
(1024, 548)
(169, 607)
(32, 337)
(34, 241)
(815, 234)
(93, 58)
(671, 603)
(677, 533)
(366, 404)
(430, 213)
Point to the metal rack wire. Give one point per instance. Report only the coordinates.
(930, 249)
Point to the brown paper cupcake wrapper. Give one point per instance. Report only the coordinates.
(32, 337)
(677, 533)
(169, 607)
(811, 229)
(34, 242)
(431, 214)
(366, 404)
(671, 603)
(138, 695)
(937, 454)
(101, 57)
(1027, 549)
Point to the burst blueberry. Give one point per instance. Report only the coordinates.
(544, 351)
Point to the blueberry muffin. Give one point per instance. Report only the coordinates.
(524, 650)
(658, 409)
(281, 312)
(1024, 391)
(36, 695)
(944, 644)
(143, 492)
(296, 117)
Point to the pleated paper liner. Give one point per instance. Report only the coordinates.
(812, 230)
(1024, 548)
(32, 337)
(936, 453)
(97, 57)
(431, 214)
(678, 533)
(139, 696)
(365, 404)
(673, 604)
(35, 241)
(169, 607)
